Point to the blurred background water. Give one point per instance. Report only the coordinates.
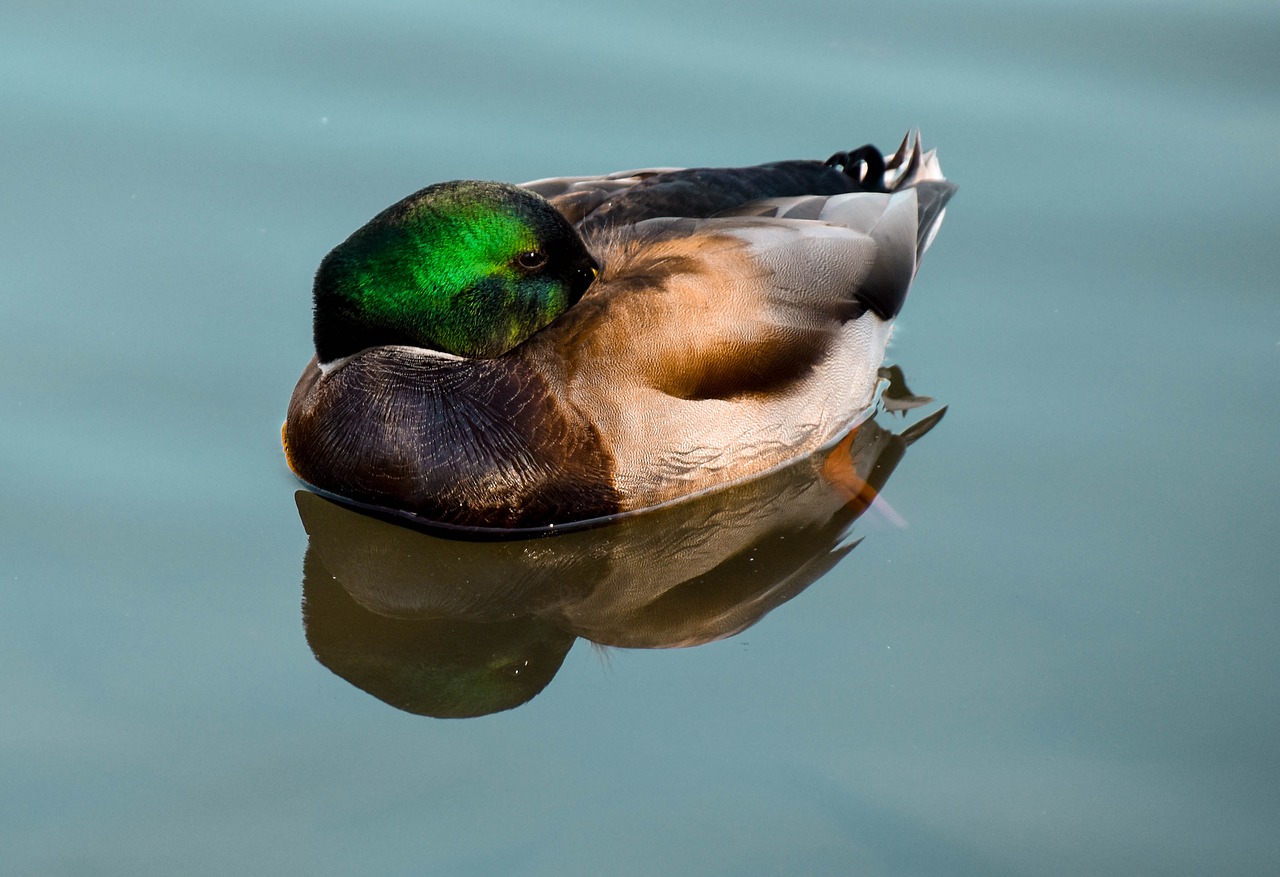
(1067, 663)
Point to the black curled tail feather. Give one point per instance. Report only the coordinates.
(864, 165)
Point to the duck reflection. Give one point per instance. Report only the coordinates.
(441, 626)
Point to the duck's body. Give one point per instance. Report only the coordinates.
(737, 322)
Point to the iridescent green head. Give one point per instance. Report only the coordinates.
(469, 268)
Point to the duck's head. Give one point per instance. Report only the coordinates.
(468, 268)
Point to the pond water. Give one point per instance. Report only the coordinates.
(1053, 649)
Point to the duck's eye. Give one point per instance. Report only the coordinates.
(532, 260)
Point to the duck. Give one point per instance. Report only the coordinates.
(498, 357)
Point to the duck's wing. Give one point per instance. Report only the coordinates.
(742, 302)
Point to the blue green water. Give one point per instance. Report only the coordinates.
(1065, 663)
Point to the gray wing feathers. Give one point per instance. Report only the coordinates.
(862, 245)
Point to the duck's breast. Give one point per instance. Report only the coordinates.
(464, 442)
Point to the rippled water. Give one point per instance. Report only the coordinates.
(1053, 651)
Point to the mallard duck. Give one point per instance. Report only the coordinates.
(494, 356)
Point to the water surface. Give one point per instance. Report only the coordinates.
(1066, 661)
